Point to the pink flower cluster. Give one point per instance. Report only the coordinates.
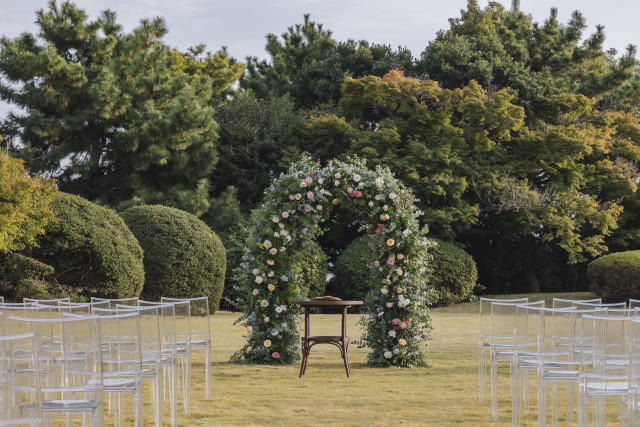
(355, 193)
(399, 324)
(391, 262)
(380, 228)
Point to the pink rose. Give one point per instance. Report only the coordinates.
(256, 292)
(376, 263)
(307, 209)
(255, 271)
(275, 355)
(357, 193)
(395, 288)
(390, 262)
(285, 215)
(308, 180)
(309, 195)
(389, 304)
(338, 176)
(400, 256)
(396, 321)
(321, 181)
(273, 251)
(392, 196)
(377, 197)
(283, 307)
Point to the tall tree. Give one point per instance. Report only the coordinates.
(114, 115)
(484, 177)
(502, 48)
(310, 65)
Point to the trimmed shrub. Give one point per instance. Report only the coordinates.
(24, 277)
(91, 250)
(453, 274)
(354, 275)
(615, 277)
(183, 257)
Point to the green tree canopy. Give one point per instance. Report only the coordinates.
(114, 115)
(310, 65)
(502, 48)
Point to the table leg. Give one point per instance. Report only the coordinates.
(345, 345)
(305, 342)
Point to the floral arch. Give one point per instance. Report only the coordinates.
(396, 317)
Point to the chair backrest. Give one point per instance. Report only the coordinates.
(114, 301)
(182, 318)
(634, 303)
(506, 326)
(54, 301)
(20, 395)
(634, 370)
(484, 314)
(85, 308)
(199, 313)
(121, 348)
(588, 305)
(563, 303)
(608, 356)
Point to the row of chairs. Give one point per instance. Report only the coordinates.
(581, 345)
(62, 358)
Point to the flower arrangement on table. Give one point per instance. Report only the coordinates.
(396, 317)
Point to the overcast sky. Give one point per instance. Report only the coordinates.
(242, 25)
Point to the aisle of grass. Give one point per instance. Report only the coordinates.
(446, 393)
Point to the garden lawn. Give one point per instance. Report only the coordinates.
(446, 393)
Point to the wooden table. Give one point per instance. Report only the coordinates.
(340, 341)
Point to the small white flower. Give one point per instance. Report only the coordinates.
(288, 238)
(385, 208)
(379, 182)
(281, 225)
(303, 184)
(292, 197)
(399, 271)
(275, 219)
(370, 204)
(266, 319)
(388, 354)
(284, 278)
(274, 333)
(319, 207)
(270, 274)
(259, 279)
(336, 183)
(357, 178)
(278, 310)
(284, 324)
(392, 333)
(267, 244)
(282, 249)
(384, 291)
(276, 234)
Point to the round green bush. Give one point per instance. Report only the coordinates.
(616, 277)
(91, 250)
(183, 257)
(453, 274)
(354, 275)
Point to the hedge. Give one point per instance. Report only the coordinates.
(616, 277)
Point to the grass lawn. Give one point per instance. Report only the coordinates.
(446, 393)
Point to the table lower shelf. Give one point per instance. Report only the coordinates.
(342, 342)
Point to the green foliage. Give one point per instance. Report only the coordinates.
(614, 277)
(91, 250)
(129, 116)
(253, 134)
(505, 49)
(310, 270)
(354, 275)
(183, 258)
(25, 205)
(24, 277)
(481, 173)
(453, 274)
(310, 65)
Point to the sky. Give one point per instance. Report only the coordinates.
(242, 25)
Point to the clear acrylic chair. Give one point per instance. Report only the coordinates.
(484, 332)
(633, 416)
(20, 394)
(70, 372)
(634, 303)
(1, 299)
(589, 305)
(122, 362)
(182, 327)
(200, 332)
(605, 366)
(505, 338)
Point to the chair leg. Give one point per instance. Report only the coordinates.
(207, 350)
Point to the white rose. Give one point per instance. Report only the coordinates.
(266, 319)
(274, 333)
(278, 310)
(384, 291)
(259, 279)
(385, 208)
(388, 354)
(370, 204)
(281, 226)
(275, 219)
(392, 333)
(356, 178)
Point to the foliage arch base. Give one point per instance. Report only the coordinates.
(396, 317)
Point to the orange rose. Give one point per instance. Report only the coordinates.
(270, 262)
(271, 287)
(391, 242)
